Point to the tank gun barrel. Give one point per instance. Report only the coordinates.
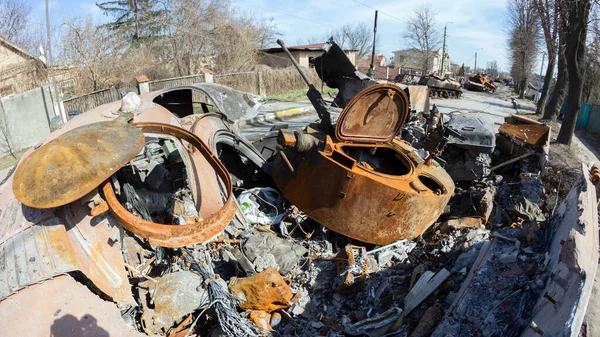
(314, 96)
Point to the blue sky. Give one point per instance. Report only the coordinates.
(475, 24)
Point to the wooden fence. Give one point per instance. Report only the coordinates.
(91, 100)
(176, 81)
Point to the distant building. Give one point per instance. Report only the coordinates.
(378, 61)
(410, 61)
(277, 58)
(19, 69)
(455, 68)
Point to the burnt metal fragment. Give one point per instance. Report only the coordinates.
(73, 164)
(168, 235)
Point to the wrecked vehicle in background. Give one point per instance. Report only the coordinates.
(441, 87)
(480, 82)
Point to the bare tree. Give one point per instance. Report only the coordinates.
(15, 16)
(523, 23)
(423, 34)
(358, 36)
(547, 10)
(93, 49)
(15, 24)
(492, 69)
(591, 87)
(562, 80)
(7, 142)
(574, 21)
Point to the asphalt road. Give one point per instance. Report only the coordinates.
(257, 130)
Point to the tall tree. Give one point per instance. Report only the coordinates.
(137, 20)
(591, 86)
(93, 49)
(562, 80)
(492, 69)
(15, 16)
(15, 24)
(574, 21)
(461, 71)
(422, 33)
(547, 10)
(523, 43)
(358, 36)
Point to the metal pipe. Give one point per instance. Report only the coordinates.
(304, 77)
(286, 161)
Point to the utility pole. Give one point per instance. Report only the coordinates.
(542, 68)
(372, 68)
(444, 48)
(475, 69)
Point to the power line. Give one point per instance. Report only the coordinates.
(382, 12)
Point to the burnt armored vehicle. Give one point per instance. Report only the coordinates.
(441, 87)
(355, 177)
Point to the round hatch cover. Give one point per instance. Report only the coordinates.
(374, 115)
(73, 164)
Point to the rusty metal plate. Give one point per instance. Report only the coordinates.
(73, 164)
(33, 255)
(531, 134)
(376, 114)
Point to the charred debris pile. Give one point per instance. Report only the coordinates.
(379, 220)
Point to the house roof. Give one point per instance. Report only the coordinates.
(406, 50)
(18, 49)
(378, 58)
(304, 47)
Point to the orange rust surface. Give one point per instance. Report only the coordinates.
(531, 134)
(174, 236)
(286, 138)
(73, 164)
(266, 291)
(364, 204)
(354, 199)
(376, 114)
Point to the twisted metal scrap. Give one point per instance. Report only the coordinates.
(231, 322)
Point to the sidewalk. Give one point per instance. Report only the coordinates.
(279, 111)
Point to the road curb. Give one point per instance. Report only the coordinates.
(278, 115)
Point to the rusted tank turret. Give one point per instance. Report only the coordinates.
(363, 182)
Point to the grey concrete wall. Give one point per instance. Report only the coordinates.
(28, 115)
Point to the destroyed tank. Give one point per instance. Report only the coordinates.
(441, 87)
(481, 83)
(373, 180)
